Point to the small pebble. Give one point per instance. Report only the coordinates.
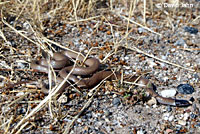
(152, 101)
(20, 94)
(186, 116)
(168, 131)
(107, 113)
(180, 42)
(164, 57)
(185, 89)
(165, 79)
(169, 108)
(126, 58)
(171, 118)
(197, 125)
(116, 101)
(193, 116)
(63, 99)
(67, 120)
(173, 50)
(168, 93)
(20, 65)
(99, 132)
(151, 62)
(166, 116)
(182, 122)
(191, 30)
(141, 30)
(196, 76)
(79, 120)
(140, 131)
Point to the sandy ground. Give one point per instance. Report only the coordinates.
(166, 54)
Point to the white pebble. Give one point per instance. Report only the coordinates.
(186, 116)
(117, 34)
(79, 120)
(175, 70)
(88, 35)
(171, 118)
(168, 93)
(67, 120)
(152, 101)
(85, 51)
(166, 116)
(188, 64)
(164, 57)
(173, 50)
(151, 62)
(180, 116)
(140, 132)
(165, 79)
(126, 58)
(63, 99)
(20, 94)
(162, 65)
(182, 122)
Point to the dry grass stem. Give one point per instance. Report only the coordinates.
(164, 61)
(43, 102)
(139, 25)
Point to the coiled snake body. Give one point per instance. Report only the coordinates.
(61, 60)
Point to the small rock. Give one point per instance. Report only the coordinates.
(196, 76)
(165, 79)
(116, 101)
(185, 89)
(182, 122)
(141, 30)
(191, 30)
(126, 58)
(140, 131)
(193, 116)
(168, 93)
(188, 64)
(21, 65)
(164, 57)
(154, 106)
(79, 120)
(63, 99)
(169, 108)
(107, 113)
(180, 42)
(166, 116)
(151, 62)
(100, 132)
(20, 94)
(168, 131)
(171, 118)
(198, 124)
(173, 50)
(152, 101)
(186, 116)
(67, 120)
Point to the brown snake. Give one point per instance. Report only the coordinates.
(61, 60)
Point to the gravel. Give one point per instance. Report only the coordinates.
(112, 110)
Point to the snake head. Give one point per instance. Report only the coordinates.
(182, 103)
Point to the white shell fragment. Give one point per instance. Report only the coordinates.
(168, 93)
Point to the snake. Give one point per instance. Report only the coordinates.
(62, 62)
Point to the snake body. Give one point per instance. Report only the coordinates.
(61, 60)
